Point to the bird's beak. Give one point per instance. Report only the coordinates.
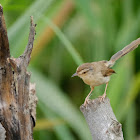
(75, 74)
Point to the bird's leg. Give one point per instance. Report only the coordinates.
(104, 95)
(87, 98)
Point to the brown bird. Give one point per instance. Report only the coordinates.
(98, 73)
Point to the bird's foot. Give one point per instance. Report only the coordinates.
(86, 101)
(102, 98)
(87, 98)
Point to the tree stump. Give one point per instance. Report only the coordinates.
(17, 95)
(101, 120)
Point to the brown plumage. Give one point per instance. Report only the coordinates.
(98, 73)
(107, 72)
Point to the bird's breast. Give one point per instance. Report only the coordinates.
(96, 80)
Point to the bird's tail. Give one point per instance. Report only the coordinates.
(133, 45)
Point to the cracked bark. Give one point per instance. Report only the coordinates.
(17, 95)
(101, 120)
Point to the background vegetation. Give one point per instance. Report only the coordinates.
(68, 34)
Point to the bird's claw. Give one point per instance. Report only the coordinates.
(102, 98)
(86, 102)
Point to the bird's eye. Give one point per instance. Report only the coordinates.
(84, 71)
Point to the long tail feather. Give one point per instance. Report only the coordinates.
(133, 45)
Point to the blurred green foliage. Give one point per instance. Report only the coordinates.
(68, 33)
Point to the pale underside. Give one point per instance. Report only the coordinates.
(96, 80)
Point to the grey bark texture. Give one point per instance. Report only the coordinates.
(17, 96)
(2, 132)
(101, 120)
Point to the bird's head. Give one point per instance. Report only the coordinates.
(83, 70)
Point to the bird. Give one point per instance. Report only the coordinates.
(98, 73)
